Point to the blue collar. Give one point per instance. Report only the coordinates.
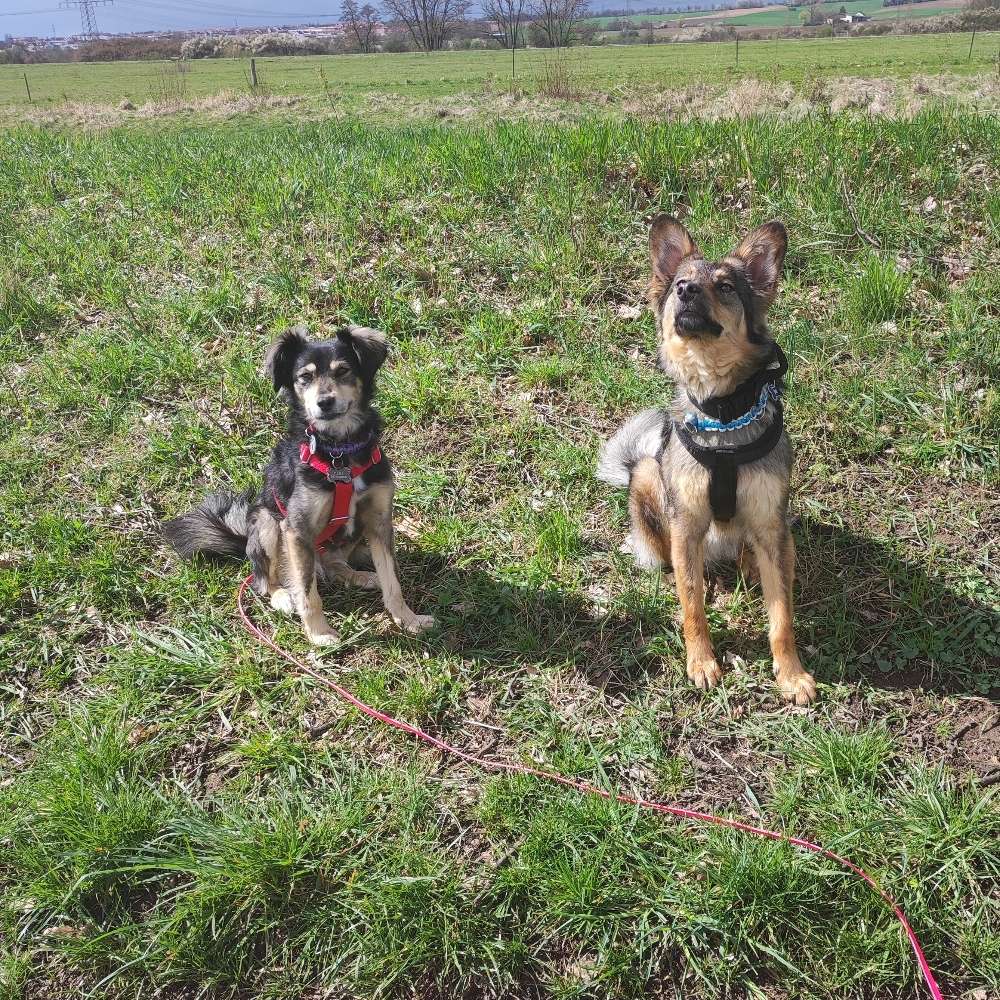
(694, 422)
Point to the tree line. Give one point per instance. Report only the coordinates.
(431, 24)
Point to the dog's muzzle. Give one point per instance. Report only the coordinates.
(691, 322)
(332, 407)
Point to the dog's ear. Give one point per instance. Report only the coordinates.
(762, 253)
(280, 360)
(369, 346)
(669, 244)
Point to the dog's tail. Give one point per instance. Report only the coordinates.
(217, 526)
(640, 438)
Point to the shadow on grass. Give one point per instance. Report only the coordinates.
(874, 616)
(863, 613)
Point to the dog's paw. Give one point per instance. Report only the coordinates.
(799, 688)
(704, 673)
(324, 638)
(415, 624)
(281, 600)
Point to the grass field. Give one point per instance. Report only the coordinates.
(182, 817)
(778, 16)
(348, 79)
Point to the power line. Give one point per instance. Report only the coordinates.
(28, 13)
(88, 22)
(180, 7)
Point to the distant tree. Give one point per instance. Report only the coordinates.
(813, 14)
(508, 16)
(556, 20)
(843, 9)
(362, 24)
(430, 23)
(397, 41)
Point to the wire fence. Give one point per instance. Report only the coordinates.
(580, 70)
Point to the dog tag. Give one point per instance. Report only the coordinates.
(338, 475)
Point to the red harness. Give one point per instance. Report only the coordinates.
(343, 478)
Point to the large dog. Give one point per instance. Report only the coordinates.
(327, 490)
(710, 475)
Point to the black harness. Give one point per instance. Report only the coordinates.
(723, 463)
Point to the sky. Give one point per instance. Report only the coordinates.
(45, 18)
(42, 17)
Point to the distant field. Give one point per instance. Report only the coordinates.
(420, 76)
(606, 19)
(779, 14)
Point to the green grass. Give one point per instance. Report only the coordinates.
(349, 79)
(779, 16)
(179, 812)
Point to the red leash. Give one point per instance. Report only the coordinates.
(584, 786)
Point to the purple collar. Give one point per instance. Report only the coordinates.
(336, 451)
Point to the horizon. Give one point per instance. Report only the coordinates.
(45, 19)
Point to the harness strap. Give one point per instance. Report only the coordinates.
(343, 490)
(723, 463)
(736, 403)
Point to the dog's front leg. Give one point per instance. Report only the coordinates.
(377, 521)
(775, 554)
(687, 553)
(304, 592)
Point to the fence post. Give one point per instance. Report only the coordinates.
(253, 73)
(27, 88)
(973, 42)
(737, 34)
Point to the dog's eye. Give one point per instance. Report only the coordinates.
(726, 287)
(305, 377)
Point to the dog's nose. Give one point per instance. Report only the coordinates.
(327, 403)
(688, 290)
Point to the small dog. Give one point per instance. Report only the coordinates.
(328, 487)
(711, 473)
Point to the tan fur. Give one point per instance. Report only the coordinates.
(375, 515)
(706, 366)
(294, 553)
(647, 507)
(668, 499)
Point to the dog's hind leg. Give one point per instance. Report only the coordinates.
(377, 522)
(264, 551)
(647, 504)
(335, 564)
(775, 554)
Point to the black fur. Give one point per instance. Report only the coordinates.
(757, 332)
(217, 526)
(221, 524)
